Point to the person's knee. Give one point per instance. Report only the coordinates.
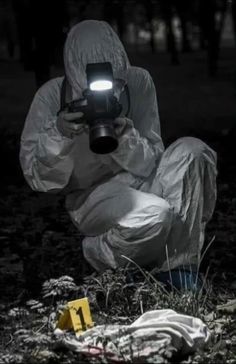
(153, 217)
(191, 145)
(194, 147)
(158, 211)
(164, 213)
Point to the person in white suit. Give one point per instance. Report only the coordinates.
(140, 201)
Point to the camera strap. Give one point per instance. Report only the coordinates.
(63, 97)
(128, 99)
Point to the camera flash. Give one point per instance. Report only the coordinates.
(100, 85)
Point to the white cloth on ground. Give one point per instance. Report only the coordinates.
(153, 337)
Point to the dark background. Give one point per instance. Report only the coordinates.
(189, 49)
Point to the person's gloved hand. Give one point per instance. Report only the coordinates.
(122, 125)
(70, 124)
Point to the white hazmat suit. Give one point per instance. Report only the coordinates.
(138, 201)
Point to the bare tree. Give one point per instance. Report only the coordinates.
(167, 11)
(234, 18)
(150, 12)
(39, 29)
(212, 16)
(114, 14)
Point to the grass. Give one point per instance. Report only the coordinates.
(114, 299)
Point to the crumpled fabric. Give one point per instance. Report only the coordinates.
(153, 338)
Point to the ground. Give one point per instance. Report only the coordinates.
(40, 243)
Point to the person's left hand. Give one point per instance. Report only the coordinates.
(122, 125)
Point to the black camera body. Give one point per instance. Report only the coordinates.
(100, 108)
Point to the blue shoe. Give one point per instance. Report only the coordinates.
(181, 279)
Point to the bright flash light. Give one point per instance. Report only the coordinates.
(101, 85)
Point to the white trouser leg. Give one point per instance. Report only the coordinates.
(119, 220)
(187, 174)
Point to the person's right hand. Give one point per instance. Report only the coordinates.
(70, 124)
(122, 124)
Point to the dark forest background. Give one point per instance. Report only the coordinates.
(189, 47)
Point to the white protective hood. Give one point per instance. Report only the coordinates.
(92, 41)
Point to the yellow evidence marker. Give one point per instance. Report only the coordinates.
(76, 316)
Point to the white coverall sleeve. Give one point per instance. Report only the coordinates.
(45, 155)
(141, 147)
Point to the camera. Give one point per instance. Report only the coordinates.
(100, 107)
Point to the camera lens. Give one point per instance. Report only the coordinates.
(102, 138)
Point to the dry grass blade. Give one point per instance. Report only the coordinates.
(147, 275)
